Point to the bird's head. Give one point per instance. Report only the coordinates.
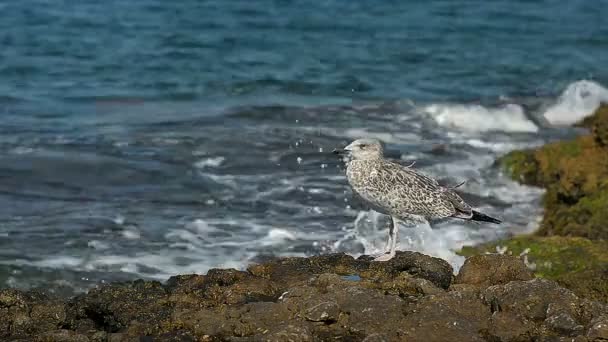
(362, 149)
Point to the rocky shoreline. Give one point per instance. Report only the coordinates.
(413, 297)
(571, 244)
(549, 286)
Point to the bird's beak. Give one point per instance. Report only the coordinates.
(339, 151)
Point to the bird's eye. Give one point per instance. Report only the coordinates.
(362, 146)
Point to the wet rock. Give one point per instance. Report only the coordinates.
(177, 336)
(406, 284)
(369, 311)
(531, 299)
(322, 311)
(327, 298)
(48, 315)
(507, 327)
(294, 270)
(599, 329)
(563, 323)
(492, 269)
(61, 335)
(24, 313)
(450, 316)
(112, 308)
(376, 338)
(435, 270)
(578, 264)
(220, 287)
(118, 337)
(288, 332)
(186, 283)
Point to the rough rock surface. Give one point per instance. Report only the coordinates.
(492, 269)
(578, 264)
(324, 298)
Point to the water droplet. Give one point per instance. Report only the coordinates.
(299, 160)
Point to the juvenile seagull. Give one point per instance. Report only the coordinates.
(400, 191)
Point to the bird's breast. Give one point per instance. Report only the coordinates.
(359, 173)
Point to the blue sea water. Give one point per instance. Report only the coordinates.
(149, 138)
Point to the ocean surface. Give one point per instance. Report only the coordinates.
(151, 138)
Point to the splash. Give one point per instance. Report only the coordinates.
(579, 100)
(477, 118)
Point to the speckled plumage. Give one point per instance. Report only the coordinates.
(396, 190)
(400, 191)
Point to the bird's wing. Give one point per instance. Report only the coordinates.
(463, 209)
(429, 185)
(408, 177)
(402, 191)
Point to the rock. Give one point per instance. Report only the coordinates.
(176, 336)
(227, 288)
(48, 315)
(578, 264)
(508, 327)
(599, 329)
(206, 322)
(27, 313)
(293, 270)
(531, 299)
(590, 283)
(450, 316)
(220, 287)
(62, 335)
(324, 298)
(289, 332)
(376, 338)
(406, 284)
(563, 323)
(492, 269)
(435, 270)
(323, 311)
(369, 311)
(112, 308)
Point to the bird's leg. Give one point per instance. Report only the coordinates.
(388, 242)
(390, 238)
(392, 242)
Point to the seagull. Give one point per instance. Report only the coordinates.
(400, 191)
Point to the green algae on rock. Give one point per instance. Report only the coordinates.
(577, 263)
(521, 166)
(575, 174)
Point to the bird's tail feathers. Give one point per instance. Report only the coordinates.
(477, 216)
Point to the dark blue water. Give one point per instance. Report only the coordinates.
(148, 138)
